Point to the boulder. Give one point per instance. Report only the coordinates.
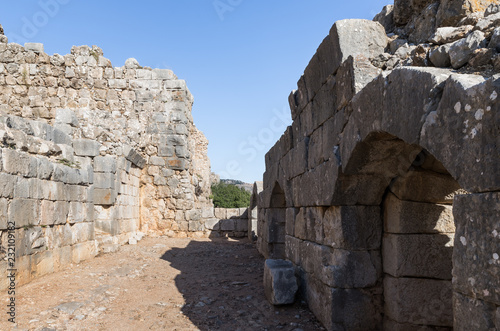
(450, 34)
(440, 56)
(461, 50)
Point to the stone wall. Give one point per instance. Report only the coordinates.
(93, 156)
(385, 156)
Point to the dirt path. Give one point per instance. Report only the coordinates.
(159, 284)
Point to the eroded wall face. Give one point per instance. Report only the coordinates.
(379, 165)
(94, 156)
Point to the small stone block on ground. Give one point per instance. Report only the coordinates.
(280, 283)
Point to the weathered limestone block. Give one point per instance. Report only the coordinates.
(86, 147)
(105, 164)
(341, 268)
(461, 131)
(418, 255)
(476, 259)
(343, 228)
(133, 156)
(319, 68)
(104, 196)
(352, 76)
(343, 309)
(7, 185)
(66, 116)
(415, 217)
(212, 224)
(34, 47)
(24, 212)
(418, 301)
(280, 284)
(16, 162)
(426, 186)
(228, 225)
(104, 180)
(356, 37)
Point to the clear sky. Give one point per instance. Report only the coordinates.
(240, 58)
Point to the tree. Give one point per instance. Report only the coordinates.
(230, 196)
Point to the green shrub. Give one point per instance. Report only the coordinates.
(230, 196)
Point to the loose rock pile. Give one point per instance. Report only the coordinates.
(468, 41)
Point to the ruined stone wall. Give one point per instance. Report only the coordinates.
(94, 156)
(386, 186)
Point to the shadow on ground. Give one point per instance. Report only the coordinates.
(221, 281)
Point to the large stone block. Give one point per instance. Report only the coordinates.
(476, 256)
(353, 227)
(418, 255)
(426, 186)
(344, 309)
(280, 284)
(24, 212)
(105, 164)
(4, 204)
(418, 301)
(352, 76)
(7, 185)
(105, 180)
(66, 116)
(86, 147)
(15, 162)
(356, 37)
(461, 133)
(104, 197)
(416, 217)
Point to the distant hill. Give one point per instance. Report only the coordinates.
(246, 186)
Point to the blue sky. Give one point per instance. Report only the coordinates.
(240, 58)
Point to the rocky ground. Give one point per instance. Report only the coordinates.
(159, 284)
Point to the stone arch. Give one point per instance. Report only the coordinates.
(253, 211)
(272, 225)
(359, 134)
(410, 245)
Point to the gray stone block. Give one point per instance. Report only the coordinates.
(7, 185)
(104, 180)
(4, 204)
(476, 258)
(196, 226)
(86, 147)
(418, 255)
(35, 47)
(104, 197)
(212, 224)
(426, 186)
(418, 301)
(280, 283)
(105, 164)
(415, 217)
(24, 212)
(66, 116)
(241, 225)
(60, 137)
(15, 162)
(227, 225)
(133, 156)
